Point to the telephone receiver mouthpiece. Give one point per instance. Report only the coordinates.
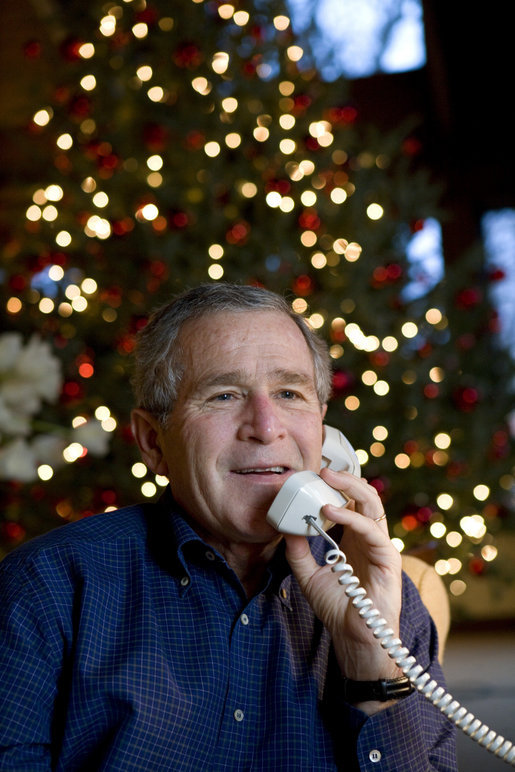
(303, 495)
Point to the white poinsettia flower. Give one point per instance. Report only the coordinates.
(17, 461)
(19, 395)
(28, 375)
(37, 364)
(93, 437)
(10, 347)
(12, 422)
(48, 449)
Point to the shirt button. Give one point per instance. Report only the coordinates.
(374, 756)
(185, 581)
(284, 593)
(244, 619)
(210, 555)
(238, 714)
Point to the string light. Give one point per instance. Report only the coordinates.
(241, 18)
(212, 149)
(220, 62)
(375, 211)
(43, 117)
(108, 25)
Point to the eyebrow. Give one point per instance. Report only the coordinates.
(281, 375)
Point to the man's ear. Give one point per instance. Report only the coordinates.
(145, 428)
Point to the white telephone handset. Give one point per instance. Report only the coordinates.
(305, 493)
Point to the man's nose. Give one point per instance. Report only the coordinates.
(261, 420)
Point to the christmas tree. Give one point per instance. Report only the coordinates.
(197, 141)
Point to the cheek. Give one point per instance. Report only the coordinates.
(310, 441)
(204, 441)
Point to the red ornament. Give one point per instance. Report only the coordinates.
(249, 68)
(497, 274)
(187, 55)
(424, 514)
(342, 381)
(238, 233)
(431, 391)
(379, 483)
(303, 285)
(80, 107)
(70, 49)
(466, 398)
(282, 186)
(108, 497)
(477, 566)
(147, 16)
(394, 271)
(12, 532)
(300, 103)
(411, 146)
(344, 115)
(425, 350)
(379, 358)
(386, 274)
(379, 275)
(310, 143)
(195, 140)
(469, 297)
(71, 391)
(121, 227)
(32, 49)
(417, 225)
(456, 469)
(309, 220)
(18, 282)
(155, 136)
(126, 344)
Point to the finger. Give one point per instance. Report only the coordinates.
(372, 535)
(366, 498)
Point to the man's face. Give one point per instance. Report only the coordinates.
(247, 416)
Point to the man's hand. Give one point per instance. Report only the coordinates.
(375, 562)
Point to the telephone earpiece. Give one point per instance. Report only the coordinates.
(338, 453)
(305, 493)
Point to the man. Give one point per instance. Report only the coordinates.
(188, 634)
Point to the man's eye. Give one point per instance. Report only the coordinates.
(287, 394)
(225, 397)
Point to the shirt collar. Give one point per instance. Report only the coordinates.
(175, 533)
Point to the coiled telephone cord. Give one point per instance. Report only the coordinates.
(445, 702)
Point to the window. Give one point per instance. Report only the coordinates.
(357, 38)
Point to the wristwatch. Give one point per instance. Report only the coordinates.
(382, 691)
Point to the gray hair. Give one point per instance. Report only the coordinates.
(158, 366)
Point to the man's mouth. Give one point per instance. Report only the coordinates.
(263, 470)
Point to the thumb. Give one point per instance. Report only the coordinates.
(299, 556)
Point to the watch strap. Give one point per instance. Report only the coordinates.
(380, 691)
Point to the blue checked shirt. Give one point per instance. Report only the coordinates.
(127, 643)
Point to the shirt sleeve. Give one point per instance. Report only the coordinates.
(29, 652)
(411, 735)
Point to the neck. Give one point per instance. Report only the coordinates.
(248, 561)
